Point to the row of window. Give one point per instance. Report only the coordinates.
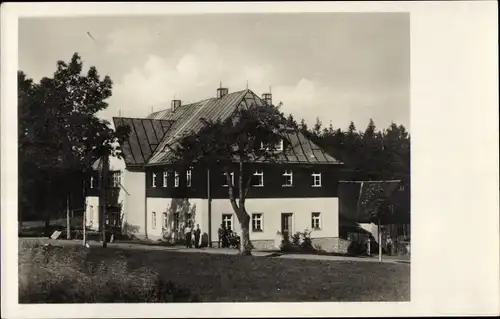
(258, 179)
(258, 221)
(175, 223)
(114, 181)
(176, 179)
(227, 221)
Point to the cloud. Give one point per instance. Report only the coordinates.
(129, 40)
(196, 74)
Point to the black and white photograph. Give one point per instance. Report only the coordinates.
(239, 157)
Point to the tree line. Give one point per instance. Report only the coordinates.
(371, 154)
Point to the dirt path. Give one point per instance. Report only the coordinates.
(224, 251)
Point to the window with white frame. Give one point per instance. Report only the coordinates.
(279, 146)
(153, 180)
(227, 221)
(177, 221)
(188, 178)
(258, 178)
(153, 219)
(91, 181)
(165, 178)
(257, 222)
(225, 179)
(288, 178)
(316, 179)
(176, 179)
(316, 220)
(165, 219)
(116, 179)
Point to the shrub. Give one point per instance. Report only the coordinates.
(286, 245)
(296, 238)
(307, 244)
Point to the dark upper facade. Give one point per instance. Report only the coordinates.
(303, 169)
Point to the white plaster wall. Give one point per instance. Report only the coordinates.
(372, 228)
(301, 208)
(134, 183)
(197, 206)
(92, 212)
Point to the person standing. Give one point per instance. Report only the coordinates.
(197, 234)
(221, 233)
(389, 246)
(188, 235)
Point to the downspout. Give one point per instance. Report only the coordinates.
(209, 202)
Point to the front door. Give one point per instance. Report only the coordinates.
(286, 224)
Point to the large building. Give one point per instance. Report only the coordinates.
(150, 197)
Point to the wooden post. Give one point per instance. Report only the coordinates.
(68, 219)
(85, 223)
(102, 199)
(209, 199)
(379, 241)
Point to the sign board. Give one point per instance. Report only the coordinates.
(56, 234)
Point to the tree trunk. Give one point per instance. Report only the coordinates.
(246, 246)
(47, 223)
(240, 211)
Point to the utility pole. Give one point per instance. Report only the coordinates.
(379, 241)
(102, 199)
(209, 200)
(68, 218)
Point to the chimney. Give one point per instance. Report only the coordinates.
(268, 98)
(221, 92)
(175, 105)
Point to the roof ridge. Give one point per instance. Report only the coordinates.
(140, 118)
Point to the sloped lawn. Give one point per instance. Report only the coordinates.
(75, 274)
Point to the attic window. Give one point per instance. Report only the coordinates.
(277, 147)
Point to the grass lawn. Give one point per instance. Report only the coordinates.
(210, 277)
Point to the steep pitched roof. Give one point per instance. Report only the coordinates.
(150, 137)
(145, 136)
(190, 118)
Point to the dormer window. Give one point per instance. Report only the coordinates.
(259, 178)
(279, 146)
(225, 179)
(153, 180)
(288, 178)
(316, 179)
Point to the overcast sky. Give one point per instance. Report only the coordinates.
(335, 66)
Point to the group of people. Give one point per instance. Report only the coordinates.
(227, 238)
(192, 235)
